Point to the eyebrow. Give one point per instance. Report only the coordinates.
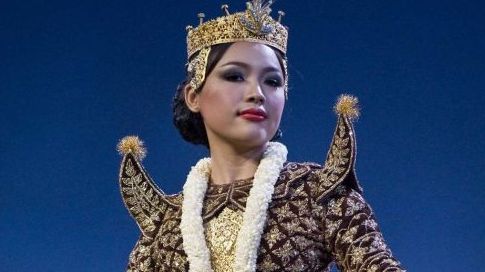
(247, 66)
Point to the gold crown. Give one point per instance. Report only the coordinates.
(253, 25)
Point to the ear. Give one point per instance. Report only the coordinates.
(191, 98)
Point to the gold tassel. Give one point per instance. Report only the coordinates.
(347, 105)
(133, 145)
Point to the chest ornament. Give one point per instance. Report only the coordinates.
(254, 216)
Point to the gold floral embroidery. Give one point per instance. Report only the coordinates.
(273, 236)
(353, 207)
(357, 255)
(335, 206)
(144, 200)
(268, 265)
(301, 234)
(221, 235)
(285, 252)
(340, 159)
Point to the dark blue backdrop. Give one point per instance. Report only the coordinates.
(77, 76)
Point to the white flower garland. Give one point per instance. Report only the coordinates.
(254, 218)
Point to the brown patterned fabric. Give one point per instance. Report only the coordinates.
(305, 231)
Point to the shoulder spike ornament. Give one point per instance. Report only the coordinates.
(133, 145)
(145, 201)
(339, 164)
(347, 105)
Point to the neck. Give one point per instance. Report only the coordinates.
(229, 163)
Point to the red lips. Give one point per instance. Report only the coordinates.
(253, 114)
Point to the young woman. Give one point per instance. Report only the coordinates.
(246, 208)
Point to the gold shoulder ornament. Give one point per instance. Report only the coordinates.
(142, 197)
(340, 162)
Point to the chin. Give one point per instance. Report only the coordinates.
(247, 137)
(253, 139)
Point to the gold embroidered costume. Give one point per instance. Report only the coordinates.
(317, 216)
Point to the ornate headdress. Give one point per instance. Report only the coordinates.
(253, 25)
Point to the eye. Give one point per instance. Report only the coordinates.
(234, 77)
(274, 82)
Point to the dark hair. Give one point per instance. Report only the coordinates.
(190, 124)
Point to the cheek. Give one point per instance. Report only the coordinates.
(218, 102)
(278, 104)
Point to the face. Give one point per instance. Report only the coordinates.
(243, 97)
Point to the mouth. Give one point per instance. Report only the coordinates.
(253, 114)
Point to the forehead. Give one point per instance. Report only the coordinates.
(253, 54)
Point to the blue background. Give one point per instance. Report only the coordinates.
(77, 76)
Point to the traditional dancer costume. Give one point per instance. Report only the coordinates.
(289, 217)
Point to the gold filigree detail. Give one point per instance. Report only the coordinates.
(340, 158)
(340, 161)
(291, 173)
(141, 196)
(257, 19)
(221, 235)
(197, 68)
(309, 238)
(253, 25)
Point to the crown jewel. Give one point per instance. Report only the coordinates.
(256, 17)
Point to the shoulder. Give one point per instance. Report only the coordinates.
(294, 175)
(298, 169)
(315, 178)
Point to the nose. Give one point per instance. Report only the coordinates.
(255, 94)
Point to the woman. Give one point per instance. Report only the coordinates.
(245, 208)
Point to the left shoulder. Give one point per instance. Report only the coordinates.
(293, 169)
(293, 175)
(338, 168)
(314, 177)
